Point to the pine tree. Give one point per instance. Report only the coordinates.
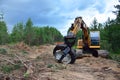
(94, 25)
(117, 12)
(17, 33)
(3, 33)
(29, 32)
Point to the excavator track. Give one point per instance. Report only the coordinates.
(101, 53)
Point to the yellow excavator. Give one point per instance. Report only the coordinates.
(89, 39)
(64, 53)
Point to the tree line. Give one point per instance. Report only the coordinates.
(109, 32)
(29, 34)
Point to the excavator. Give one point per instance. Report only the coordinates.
(64, 53)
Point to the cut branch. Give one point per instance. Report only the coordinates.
(8, 61)
(28, 66)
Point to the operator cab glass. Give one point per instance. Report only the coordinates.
(95, 38)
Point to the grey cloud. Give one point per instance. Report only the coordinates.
(43, 12)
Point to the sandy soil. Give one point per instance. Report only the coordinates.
(44, 67)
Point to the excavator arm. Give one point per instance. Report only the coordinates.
(76, 26)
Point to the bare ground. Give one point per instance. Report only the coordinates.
(37, 63)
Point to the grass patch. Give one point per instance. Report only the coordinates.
(7, 68)
(17, 66)
(60, 66)
(57, 66)
(115, 57)
(10, 68)
(26, 75)
(3, 51)
(38, 58)
(24, 52)
(50, 65)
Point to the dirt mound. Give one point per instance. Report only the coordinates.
(39, 64)
(22, 46)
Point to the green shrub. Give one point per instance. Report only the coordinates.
(115, 57)
(105, 45)
(7, 68)
(17, 66)
(50, 65)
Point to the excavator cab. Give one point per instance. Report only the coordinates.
(94, 40)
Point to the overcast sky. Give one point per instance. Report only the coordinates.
(57, 13)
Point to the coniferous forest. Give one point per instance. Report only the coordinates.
(29, 34)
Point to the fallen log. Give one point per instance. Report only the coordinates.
(103, 53)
